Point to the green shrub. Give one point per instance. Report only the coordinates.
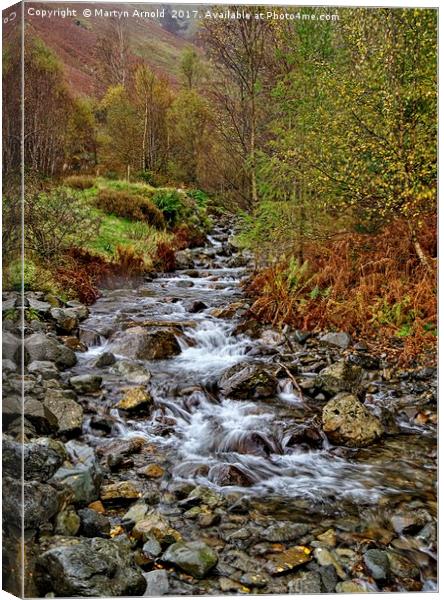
(169, 202)
(80, 182)
(200, 197)
(130, 206)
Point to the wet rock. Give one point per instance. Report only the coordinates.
(41, 347)
(328, 538)
(346, 421)
(152, 471)
(254, 580)
(353, 586)
(118, 453)
(143, 344)
(90, 567)
(151, 548)
(93, 524)
(402, 566)
(121, 491)
(288, 560)
(377, 563)
(157, 583)
(409, 521)
(202, 495)
(285, 531)
(184, 283)
(196, 306)
(40, 503)
(340, 339)
(225, 474)
(11, 347)
(248, 381)
(327, 558)
(68, 413)
(86, 384)
(66, 320)
(42, 458)
(67, 522)
(104, 360)
(329, 578)
(89, 337)
(39, 307)
(8, 366)
(132, 372)
(184, 259)
(135, 399)
(43, 419)
(83, 476)
(154, 525)
(73, 342)
(365, 360)
(194, 558)
(79, 310)
(305, 583)
(339, 377)
(43, 368)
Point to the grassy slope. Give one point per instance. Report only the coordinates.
(117, 231)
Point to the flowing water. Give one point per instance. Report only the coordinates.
(202, 434)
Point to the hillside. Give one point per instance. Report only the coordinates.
(73, 39)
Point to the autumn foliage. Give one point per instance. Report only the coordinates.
(373, 286)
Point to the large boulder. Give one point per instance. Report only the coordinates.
(146, 344)
(41, 347)
(66, 320)
(42, 457)
(339, 339)
(248, 381)
(135, 399)
(132, 372)
(154, 525)
(11, 347)
(40, 504)
(347, 422)
(90, 567)
(82, 476)
(195, 558)
(44, 369)
(41, 417)
(87, 383)
(184, 259)
(68, 413)
(341, 376)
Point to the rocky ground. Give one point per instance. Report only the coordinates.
(334, 493)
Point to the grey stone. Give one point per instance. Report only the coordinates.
(377, 563)
(346, 421)
(195, 558)
(143, 344)
(248, 381)
(131, 371)
(68, 412)
(305, 583)
(90, 567)
(41, 347)
(45, 368)
(93, 524)
(86, 384)
(157, 583)
(105, 360)
(11, 347)
(340, 339)
(339, 377)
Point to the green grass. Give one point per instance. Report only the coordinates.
(116, 231)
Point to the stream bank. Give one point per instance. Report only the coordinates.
(175, 446)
